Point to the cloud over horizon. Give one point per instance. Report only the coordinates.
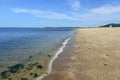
(99, 14)
(43, 14)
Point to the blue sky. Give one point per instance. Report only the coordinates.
(56, 13)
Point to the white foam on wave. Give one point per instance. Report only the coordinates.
(53, 59)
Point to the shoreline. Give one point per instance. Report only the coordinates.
(53, 59)
(58, 67)
(43, 60)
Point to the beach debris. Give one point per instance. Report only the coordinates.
(107, 55)
(30, 66)
(39, 66)
(89, 48)
(31, 73)
(105, 64)
(49, 55)
(35, 75)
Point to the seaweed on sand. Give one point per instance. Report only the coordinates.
(15, 68)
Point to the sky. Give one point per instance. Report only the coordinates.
(58, 13)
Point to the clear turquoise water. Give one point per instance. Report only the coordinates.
(17, 45)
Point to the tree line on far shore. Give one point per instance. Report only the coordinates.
(112, 25)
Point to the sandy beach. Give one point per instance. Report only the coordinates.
(95, 55)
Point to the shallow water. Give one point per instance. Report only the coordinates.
(19, 45)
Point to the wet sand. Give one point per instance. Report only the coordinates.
(60, 50)
(95, 55)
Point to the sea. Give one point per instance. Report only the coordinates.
(18, 45)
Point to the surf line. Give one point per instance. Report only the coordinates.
(53, 59)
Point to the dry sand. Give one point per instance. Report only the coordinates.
(95, 56)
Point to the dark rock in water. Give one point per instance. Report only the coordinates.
(5, 74)
(15, 68)
(30, 57)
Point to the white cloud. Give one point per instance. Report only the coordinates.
(32, 11)
(96, 15)
(44, 14)
(108, 9)
(103, 13)
(75, 4)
